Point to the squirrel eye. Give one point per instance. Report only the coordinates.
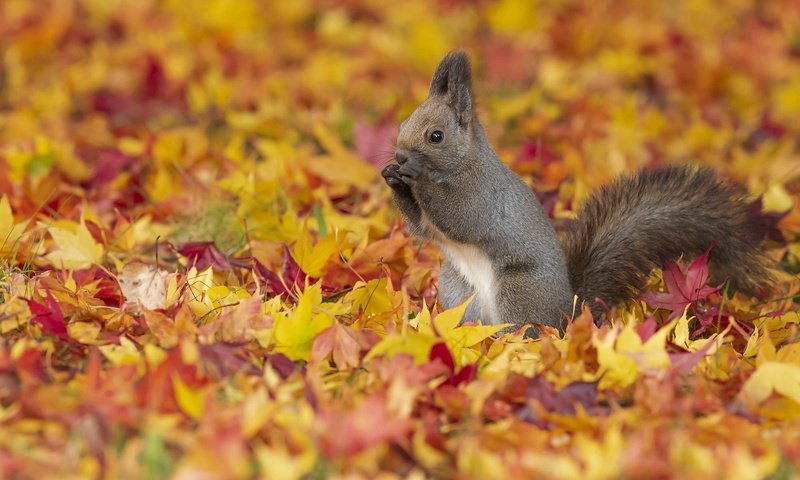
(436, 136)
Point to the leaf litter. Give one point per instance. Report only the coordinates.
(203, 277)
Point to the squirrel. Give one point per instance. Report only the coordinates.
(501, 247)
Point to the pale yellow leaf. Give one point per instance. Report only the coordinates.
(769, 377)
(75, 249)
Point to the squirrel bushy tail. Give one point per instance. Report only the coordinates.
(636, 223)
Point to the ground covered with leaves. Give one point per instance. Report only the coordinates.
(203, 276)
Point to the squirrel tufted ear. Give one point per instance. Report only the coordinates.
(453, 81)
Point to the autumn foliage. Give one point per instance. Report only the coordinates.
(203, 275)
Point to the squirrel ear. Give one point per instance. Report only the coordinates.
(453, 80)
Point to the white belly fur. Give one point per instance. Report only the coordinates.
(476, 268)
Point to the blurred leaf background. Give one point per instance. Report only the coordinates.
(203, 275)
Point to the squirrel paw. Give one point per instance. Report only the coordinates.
(409, 171)
(392, 177)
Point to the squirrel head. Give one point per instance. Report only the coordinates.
(443, 131)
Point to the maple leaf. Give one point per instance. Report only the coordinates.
(683, 287)
(313, 259)
(622, 355)
(76, 248)
(459, 338)
(268, 365)
(779, 377)
(343, 343)
(202, 255)
(295, 332)
(290, 279)
(465, 374)
(50, 317)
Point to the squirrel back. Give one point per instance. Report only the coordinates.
(639, 222)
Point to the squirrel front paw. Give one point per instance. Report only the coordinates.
(391, 175)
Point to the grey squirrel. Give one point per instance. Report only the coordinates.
(499, 244)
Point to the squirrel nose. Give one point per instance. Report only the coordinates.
(401, 156)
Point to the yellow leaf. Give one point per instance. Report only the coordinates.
(427, 41)
(199, 284)
(137, 233)
(769, 377)
(459, 338)
(750, 349)
(123, 354)
(294, 333)
(602, 459)
(789, 354)
(372, 298)
(10, 232)
(422, 322)
(313, 259)
(786, 100)
(154, 355)
(449, 319)
(766, 350)
(622, 355)
(190, 401)
(14, 312)
(278, 463)
(413, 343)
(777, 199)
(76, 249)
(617, 369)
(681, 336)
(468, 335)
(84, 332)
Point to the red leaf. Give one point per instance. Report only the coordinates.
(646, 329)
(292, 274)
(154, 83)
(221, 360)
(272, 279)
(205, 254)
(683, 288)
(50, 317)
(289, 281)
(281, 364)
(108, 164)
(536, 152)
(442, 353)
(463, 375)
(682, 363)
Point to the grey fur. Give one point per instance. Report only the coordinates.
(458, 190)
